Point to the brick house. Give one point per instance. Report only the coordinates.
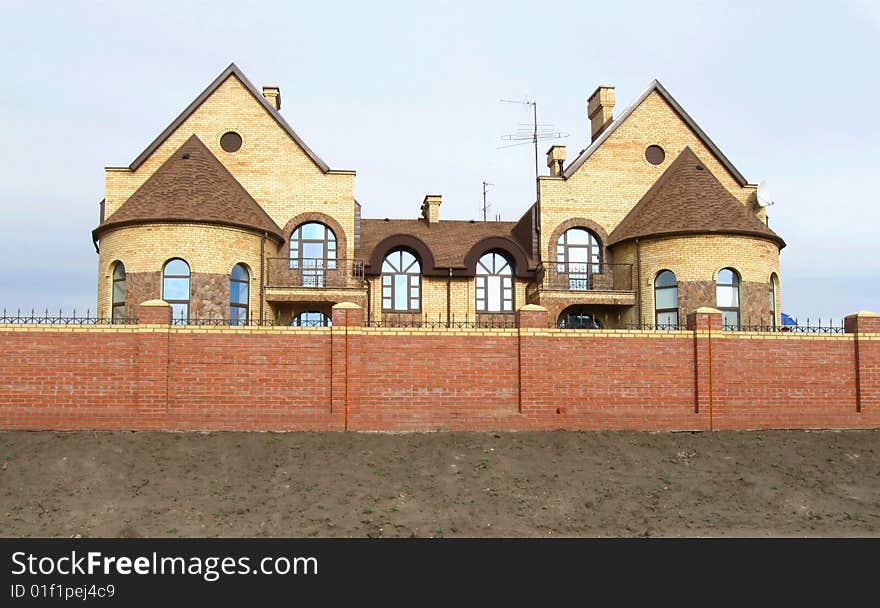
(228, 214)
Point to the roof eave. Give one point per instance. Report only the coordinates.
(774, 238)
(107, 227)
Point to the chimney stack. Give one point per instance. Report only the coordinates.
(555, 160)
(273, 95)
(431, 208)
(599, 110)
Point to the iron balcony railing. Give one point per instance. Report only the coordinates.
(481, 321)
(578, 276)
(314, 273)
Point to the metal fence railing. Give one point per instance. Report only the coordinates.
(408, 320)
(33, 317)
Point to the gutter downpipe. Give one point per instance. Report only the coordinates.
(639, 279)
(262, 274)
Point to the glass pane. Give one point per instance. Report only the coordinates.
(666, 297)
(179, 312)
(667, 318)
(494, 290)
(118, 291)
(577, 236)
(312, 250)
(408, 262)
(237, 315)
(665, 279)
(386, 280)
(238, 272)
(175, 289)
(578, 254)
(481, 282)
(118, 314)
(386, 303)
(727, 297)
(119, 271)
(400, 285)
(312, 231)
(177, 267)
(730, 318)
(238, 292)
(727, 277)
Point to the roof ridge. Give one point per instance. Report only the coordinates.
(231, 70)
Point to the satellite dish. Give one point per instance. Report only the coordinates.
(764, 199)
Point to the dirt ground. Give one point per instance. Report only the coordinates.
(131, 484)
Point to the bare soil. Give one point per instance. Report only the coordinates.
(131, 484)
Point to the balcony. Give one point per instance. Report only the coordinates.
(598, 283)
(579, 276)
(314, 273)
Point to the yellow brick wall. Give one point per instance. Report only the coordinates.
(607, 186)
(462, 297)
(270, 165)
(207, 249)
(699, 258)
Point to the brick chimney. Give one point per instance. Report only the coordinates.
(431, 208)
(599, 108)
(273, 94)
(555, 160)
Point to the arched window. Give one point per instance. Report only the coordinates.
(175, 289)
(727, 297)
(118, 291)
(313, 250)
(401, 282)
(773, 280)
(494, 284)
(239, 290)
(312, 318)
(578, 317)
(578, 257)
(665, 299)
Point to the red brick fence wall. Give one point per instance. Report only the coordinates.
(154, 376)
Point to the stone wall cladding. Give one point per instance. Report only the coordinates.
(696, 260)
(212, 250)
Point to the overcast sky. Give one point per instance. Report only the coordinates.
(409, 97)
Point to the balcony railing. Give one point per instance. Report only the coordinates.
(579, 276)
(314, 273)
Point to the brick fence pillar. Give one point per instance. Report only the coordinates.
(530, 318)
(152, 367)
(865, 327)
(345, 315)
(154, 312)
(704, 322)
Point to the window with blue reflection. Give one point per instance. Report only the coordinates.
(175, 289)
(239, 284)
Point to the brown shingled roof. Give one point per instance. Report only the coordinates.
(192, 186)
(448, 241)
(688, 199)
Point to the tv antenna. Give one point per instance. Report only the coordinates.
(531, 133)
(486, 204)
(763, 194)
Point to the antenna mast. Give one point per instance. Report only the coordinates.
(531, 133)
(486, 205)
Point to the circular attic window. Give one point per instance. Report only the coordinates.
(655, 155)
(231, 141)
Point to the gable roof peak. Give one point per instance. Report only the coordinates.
(231, 70)
(661, 90)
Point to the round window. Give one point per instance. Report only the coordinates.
(231, 141)
(655, 155)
